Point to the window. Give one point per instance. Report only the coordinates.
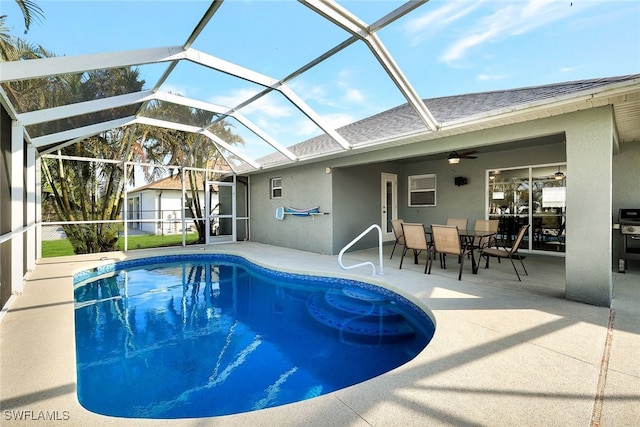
(276, 188)
(422, 190)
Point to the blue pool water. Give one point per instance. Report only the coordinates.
(209, 335)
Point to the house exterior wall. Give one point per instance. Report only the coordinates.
(353, 191)
(148, 211)
(163, 205)
(589, 207)
(468, 201)
(172, 211)
(357, 203)
(302, 187)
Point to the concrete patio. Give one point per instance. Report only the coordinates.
(504, 353)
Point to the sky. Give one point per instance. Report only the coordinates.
(443, 48)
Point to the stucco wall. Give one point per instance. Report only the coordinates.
(589, 207)
(468, 201)
(353, 189)
(355, 200)
(358, 203)
(302, 187)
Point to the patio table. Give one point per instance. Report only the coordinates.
(466, 239)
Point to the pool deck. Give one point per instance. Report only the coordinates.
(505, 353)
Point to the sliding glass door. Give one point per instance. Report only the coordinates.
(533, 195)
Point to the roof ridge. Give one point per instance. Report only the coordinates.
(158, 184)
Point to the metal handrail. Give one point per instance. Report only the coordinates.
(354, 241)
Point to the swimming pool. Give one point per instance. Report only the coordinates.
(211, 334)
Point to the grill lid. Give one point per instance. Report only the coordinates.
(629, 216)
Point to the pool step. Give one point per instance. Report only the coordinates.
(359, 314)
(369, 306)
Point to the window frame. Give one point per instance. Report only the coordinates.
(273, 188)
(411, 191)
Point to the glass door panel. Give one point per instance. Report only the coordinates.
(534, 195)
(549, 214)
(509, 203)
(242, 208)
(221, 214)
(389, 201)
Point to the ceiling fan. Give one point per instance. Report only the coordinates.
(455, 157)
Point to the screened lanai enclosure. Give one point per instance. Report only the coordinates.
(82, 130)
(98, 125)
(179, 122)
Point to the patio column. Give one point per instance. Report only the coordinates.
(30, 202)
(17, 207)
(589, 148)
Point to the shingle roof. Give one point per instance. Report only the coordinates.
(168, 183)
(403, 120)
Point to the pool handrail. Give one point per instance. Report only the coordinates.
(354, 241)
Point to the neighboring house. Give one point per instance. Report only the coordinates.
(157, 208)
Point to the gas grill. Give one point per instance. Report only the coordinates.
(629, 220)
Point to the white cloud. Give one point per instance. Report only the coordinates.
(431, 23)
(280, 119)
(339, 119)
(176, 90)
(510, 19)
(317, 93)
(267, 106)
(306, 128)
(459, 48)
(568, 69)
(338, 93)
(487, 77)
(354, 96)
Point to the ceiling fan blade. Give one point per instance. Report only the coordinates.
(455, 156)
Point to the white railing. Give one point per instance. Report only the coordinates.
(354, 241)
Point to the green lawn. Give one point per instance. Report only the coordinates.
(51, 248)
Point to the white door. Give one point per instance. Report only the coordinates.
(389, 199)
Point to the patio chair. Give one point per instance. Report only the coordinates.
(461, 223)
(446, 240)
(396, 225)
(510, 253)
(486, 225)
(415, 238)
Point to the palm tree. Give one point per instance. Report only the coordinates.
(84, 191)
(92, 191)
(30, 11)
(8, 49)
(166, 146)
